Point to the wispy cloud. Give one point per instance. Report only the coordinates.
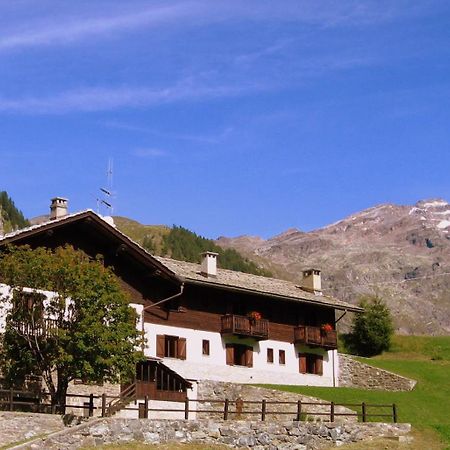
(84, 24)
(103, 99)
(149, 152)
(199, 138)
(72, 30)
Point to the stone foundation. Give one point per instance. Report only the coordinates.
(237, 434)
(353, 373)
(217, 390)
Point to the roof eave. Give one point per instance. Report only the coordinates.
(349, 308)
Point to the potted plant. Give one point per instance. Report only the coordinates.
(326, 327)
(254, 316)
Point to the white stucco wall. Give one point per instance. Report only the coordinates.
(213, 367)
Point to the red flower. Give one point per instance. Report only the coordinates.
(326, 327)
(254, 315)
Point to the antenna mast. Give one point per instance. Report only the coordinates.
(107, 193)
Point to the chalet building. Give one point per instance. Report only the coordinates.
(202, 322)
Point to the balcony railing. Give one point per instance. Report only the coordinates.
(244, 326)
(43, 327)
(315, 336)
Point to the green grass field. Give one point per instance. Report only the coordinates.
(427, 407)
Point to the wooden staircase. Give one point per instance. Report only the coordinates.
(126, 397)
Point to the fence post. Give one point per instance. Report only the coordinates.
(226, 405)
(11, 399)
(186, 409)
(103, 405)
(299, 411)
(332, 412)
(363, 409)
(394, 412)
(263, 410)
(146, 407)
(91, 405)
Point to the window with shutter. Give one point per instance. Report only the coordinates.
(310, 363)
(282, 357)
(205, 347)
(270, 355)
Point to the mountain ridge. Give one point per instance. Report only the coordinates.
(385, 249)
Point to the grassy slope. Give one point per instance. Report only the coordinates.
(138, 232)
(427, 407)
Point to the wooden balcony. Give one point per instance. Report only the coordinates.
(314, 336)
(245, 327)
(43, 327)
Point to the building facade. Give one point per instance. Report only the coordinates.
(201, 322)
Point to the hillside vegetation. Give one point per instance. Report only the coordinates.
(11, 217)
(184, 245)
(427, 407)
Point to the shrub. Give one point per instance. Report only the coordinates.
(372, 329)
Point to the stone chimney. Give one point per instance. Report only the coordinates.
(312, 281)
(58, 208)
(209, 264)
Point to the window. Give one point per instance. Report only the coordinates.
(205, 347)
(281, 357)
(310, 363)
(29, 305)
(270, 355)
(170, 346)
(239, 355)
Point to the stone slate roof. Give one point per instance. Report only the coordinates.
(233, 280)
(190, 272)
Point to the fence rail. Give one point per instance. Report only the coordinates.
(14, 400)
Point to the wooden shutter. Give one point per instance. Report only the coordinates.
(181, 348)
(160, 345)
(249, 357)
(270, 355)
(319, 365)
(302, 362)
(230, 354)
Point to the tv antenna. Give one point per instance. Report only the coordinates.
(108, 195)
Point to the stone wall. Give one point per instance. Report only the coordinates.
(353, 373)
(217, 390)
(237, 434)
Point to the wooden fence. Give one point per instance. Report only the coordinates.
(14, 400)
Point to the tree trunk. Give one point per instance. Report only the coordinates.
(59, 397)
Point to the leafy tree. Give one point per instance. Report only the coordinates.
(84, 329)
(372, 329)
(12, 217)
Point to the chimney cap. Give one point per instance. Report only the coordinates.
(208, 253)
(59, 198)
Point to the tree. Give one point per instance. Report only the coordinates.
(372, 329)
(66, 317)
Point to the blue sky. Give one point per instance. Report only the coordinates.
(227, 117)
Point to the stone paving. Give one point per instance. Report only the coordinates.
(18, 427)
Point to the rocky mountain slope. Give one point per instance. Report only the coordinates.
(401, 253)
